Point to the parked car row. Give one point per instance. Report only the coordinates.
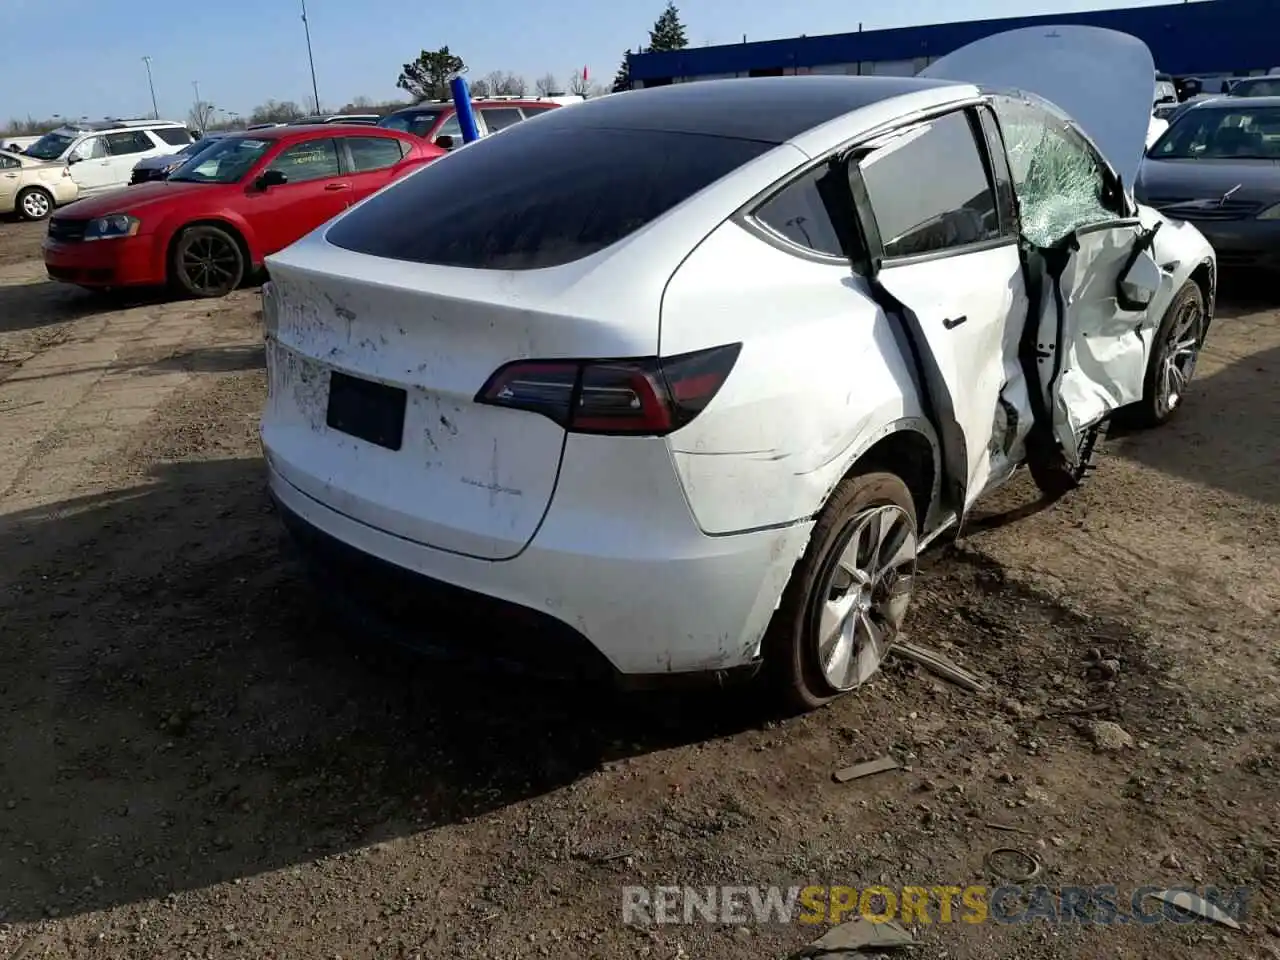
(202, 216)
(211, 222)
(103, 157)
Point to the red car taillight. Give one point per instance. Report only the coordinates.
(649, 396)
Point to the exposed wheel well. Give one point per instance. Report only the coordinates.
(221, 225)
(38, 189)
(1204, 279)
(908, 454)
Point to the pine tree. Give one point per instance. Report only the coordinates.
(668, 31)
(622, 79)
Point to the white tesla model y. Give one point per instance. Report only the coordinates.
(682, 379)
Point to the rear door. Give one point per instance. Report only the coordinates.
(125, 149)
(316, 189)
(1092, 342)
(945, 247)
(372, 163)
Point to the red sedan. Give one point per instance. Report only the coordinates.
(215, 219)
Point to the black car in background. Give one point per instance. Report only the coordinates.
(159, 168)
(1218, 166)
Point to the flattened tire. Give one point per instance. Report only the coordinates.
(206, 262)
(1173, 359)
(844, 605)
(33, 203)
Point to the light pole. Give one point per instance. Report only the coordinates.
(315, 92)
(155, 111)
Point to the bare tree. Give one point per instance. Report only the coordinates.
(275, 111)
(29, 127)
(578, 84)
(546, 85)
(201, 116)
(500, 83)
(480, 87)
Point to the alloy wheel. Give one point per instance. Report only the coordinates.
(1181, 351)
(35, 205)
(210, 264)
(864, 596)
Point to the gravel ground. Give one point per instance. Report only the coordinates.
(195, 763)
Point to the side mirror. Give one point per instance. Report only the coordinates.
(1139, 283)
(444, 141)
(73, 159)
(270, 178)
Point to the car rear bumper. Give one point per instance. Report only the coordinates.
(576, 600)
(103, 263)
(1244, 243)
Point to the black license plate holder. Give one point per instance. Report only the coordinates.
(373, 412)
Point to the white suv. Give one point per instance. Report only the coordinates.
(102, 155)
(685, 377)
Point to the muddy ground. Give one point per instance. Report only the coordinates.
(195, 763)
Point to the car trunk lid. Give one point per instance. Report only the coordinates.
(374, 369)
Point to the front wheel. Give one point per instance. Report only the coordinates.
(207, 262)
(1173, 358)
(848, 596)
(1051, 472)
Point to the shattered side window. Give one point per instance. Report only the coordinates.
(1056, 177)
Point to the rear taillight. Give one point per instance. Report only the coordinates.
(649, 396)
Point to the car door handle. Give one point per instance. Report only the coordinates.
(950, 323)
(337, 186)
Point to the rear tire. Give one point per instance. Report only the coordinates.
(843, 607)
(206, 262)
(33, 203)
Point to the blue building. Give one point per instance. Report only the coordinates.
(1207, 39)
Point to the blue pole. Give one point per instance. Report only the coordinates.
(462, 105)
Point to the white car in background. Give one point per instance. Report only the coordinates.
(686, 377)
(102, 155)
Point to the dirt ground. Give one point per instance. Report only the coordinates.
(195, 763)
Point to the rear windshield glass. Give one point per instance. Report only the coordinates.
(417, 122)
(1244, 132)
(1262, 87)
(538, 197)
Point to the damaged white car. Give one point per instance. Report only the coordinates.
(682, 380)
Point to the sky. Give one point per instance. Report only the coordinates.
(243, 52)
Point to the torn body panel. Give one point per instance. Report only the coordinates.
(1095, 347)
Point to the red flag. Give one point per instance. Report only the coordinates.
(584, 74)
